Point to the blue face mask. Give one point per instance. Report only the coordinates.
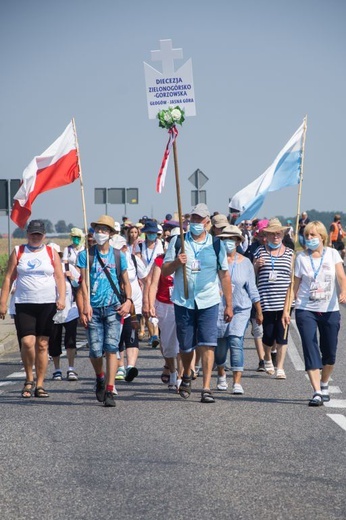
(196, 229)
(230, 245)
(313, 243)
(151, 236)
(274, 246)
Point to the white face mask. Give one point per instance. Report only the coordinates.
(101, 238)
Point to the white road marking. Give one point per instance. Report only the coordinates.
(336, 403)
(339, 419)
(294, 355)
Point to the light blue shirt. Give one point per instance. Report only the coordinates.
(244, 294)
(101, 292)
(203, 285)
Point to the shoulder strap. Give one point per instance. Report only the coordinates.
(50, 254)
(134, 260)
(20, 251)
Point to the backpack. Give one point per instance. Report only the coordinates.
(216, 246)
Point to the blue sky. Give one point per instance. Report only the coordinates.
(259, 67)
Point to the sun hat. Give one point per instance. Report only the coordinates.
(231, 232)
(274, 225)
(201, 210)
(150, 227)
(261, 224)
(36, 226)
(76, 232)
(219, 221)
(104, 220)
(139, 225)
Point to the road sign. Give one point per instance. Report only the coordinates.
(198, 179)
(116, 195)
(198, 196)
(100, 196)
(132, 195)
(14, 187)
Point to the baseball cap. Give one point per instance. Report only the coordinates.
(201, 210)
(36, 226)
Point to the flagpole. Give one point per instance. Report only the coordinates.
(83, 207)
(177, 184)
(290, 296)
(301, 179)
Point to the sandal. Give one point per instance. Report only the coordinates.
(41, 392)
(269, 367)
(165, 376)
(280, 374)
(28, 389)
(185, 387)
(207, 397)
(317, 400)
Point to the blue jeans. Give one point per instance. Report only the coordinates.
(104, 331)
(235, 345)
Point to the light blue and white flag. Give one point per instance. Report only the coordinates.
(285, 171)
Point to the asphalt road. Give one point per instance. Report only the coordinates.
(264, 455)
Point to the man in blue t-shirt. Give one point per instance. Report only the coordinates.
(196, 313)
(102, 311)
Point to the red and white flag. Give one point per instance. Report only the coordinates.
(55, 167)
(160, 182)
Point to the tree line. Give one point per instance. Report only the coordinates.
(59, 227)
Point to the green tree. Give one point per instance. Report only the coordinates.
(61, 227)
(19, 233)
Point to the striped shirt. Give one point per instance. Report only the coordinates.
(277, 268)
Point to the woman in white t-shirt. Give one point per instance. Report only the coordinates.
(40, 292)
(317, 269)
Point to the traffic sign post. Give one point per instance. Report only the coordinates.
(198, 196)
(8, 189)
(198, 179)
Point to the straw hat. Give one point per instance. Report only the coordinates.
(231, 232)
(105, 220)
(274, 226)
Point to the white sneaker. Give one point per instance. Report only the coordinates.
(221, 384)
(237, 389)
(115, 391)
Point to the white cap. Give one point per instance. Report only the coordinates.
(160, 228)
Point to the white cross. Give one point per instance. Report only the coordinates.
(167, 55)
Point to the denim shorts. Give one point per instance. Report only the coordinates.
(235, 345)
(328, 325)
(196, 327)
(104, 331)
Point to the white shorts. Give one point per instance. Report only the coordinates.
(168, 334)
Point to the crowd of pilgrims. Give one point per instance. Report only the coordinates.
(267, 280)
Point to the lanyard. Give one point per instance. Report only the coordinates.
(195, 251)
(152, 254)
(316, 271)
(272, 258)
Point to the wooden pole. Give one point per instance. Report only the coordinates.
(83, 207)
(177, 184)
(290, 296)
